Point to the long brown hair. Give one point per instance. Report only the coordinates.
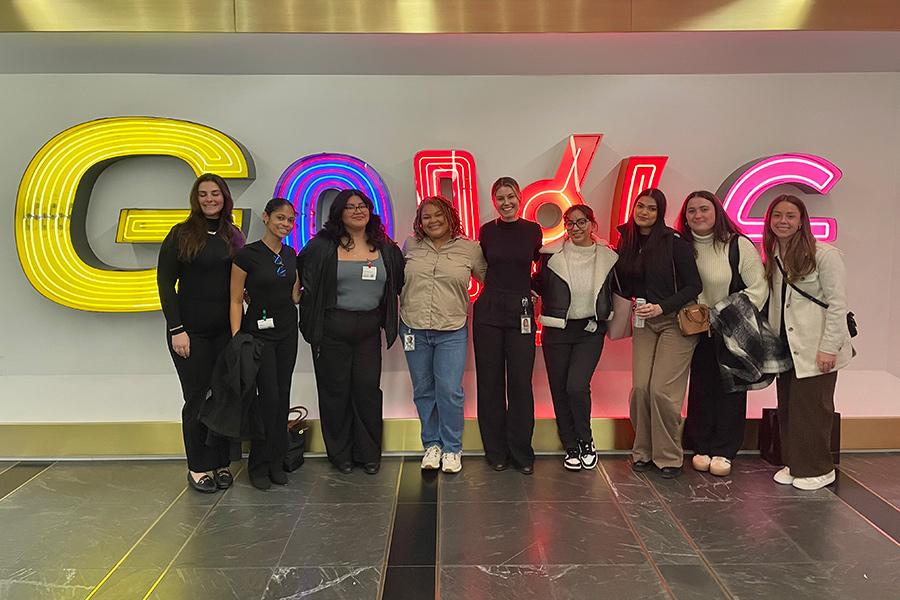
(799, 253)
(657, 249)
(449, 211)
(192, 234)
(723, 228)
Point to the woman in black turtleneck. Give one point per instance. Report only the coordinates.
(197, 256)
(503, 333)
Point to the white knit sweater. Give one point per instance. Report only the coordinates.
(715, 271)
(580, 260)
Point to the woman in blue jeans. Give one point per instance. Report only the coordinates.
(440, 262)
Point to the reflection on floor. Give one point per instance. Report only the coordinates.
(130, 530)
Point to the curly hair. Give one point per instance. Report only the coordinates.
(335, 229)
(447, 209)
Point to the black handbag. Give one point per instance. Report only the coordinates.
(297, 429)
(852, 328)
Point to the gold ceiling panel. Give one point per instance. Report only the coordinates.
(779, 15)
(433, 16)
(117, 15)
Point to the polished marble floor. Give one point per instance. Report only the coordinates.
(131, 530)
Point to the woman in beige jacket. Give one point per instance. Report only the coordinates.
(818, 339)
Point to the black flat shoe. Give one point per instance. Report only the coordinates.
(260, 481)
(371, 468)
(345, 468)
(500, 466)
(224, 479)
(205, 485)
(670, 472)
(278, 476)
(642, 466)
(526, 470)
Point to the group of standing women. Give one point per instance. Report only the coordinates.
(352, 282)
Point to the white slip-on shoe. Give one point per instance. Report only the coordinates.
(432, 458)
(720, 466)
(783, 476)
(814, 483)
(700, 462)
(452, 462)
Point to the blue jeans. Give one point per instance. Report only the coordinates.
(436, 368)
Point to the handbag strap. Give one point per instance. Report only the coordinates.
(809, 297)
(734, 259)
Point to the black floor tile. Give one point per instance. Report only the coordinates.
(661, 536)
(417, 485)
(6, 465)
(401, 583)
(221, 584)
(883, 515)
(812, 581)
(13, 478)
(324, 583)
(166, 537)
(734, 533)
(74, 584)
(414, 538)
(240, 536)
(579, 533)
(295, 493)
(693, 582)
(878, 472)
(619, 582)
(495, 583)
(339, 535)
(488, 533)
(626, 486)
(333, 487)
(477, 482)
(551, 482)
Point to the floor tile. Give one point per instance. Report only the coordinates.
(220, 584)
(240, 536)
(552, 483)
(506, 534)
(75, 584)
(626, 486)
(813, 581)
(693, 582)
(495, 583)
(409, 582)
(167, 536)
(324, 583)
(294, 493)
(351, 535)
(581, 582)
(660, 534)
(477, 482)
(878, 472)
(580, 533)
(333, 487)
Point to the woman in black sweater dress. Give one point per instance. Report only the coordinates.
(196, 255)
(503, 333)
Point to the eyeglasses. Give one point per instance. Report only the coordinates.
(352, 208)
(580, 223)
(280, 271)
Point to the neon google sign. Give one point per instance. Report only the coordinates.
(55, 190)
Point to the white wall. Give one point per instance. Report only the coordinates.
(115, 367)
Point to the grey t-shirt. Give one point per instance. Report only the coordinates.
(356, 293)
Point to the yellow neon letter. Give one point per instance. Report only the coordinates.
(56, 188)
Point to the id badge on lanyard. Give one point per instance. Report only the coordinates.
(525, 321)
(369, 272)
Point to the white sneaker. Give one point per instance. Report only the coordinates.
(814, 483)
(572, 461)
(432, 458)
(720, 466)
(588, 455)
(700, 462)
(452, 462)
(783, 476)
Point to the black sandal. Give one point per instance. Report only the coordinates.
(205, 484)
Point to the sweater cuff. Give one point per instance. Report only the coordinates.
(176, 330)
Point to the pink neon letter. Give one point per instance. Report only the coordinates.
(812, 174)
(431, 166)
(636, 174)
(564, 190)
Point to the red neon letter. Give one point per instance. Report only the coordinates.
(431, 166)
(564, 190)
(812, 174)
(636, 174)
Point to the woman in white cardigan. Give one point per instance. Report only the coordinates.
(818, 339)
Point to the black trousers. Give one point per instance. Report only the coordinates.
(571, 356)
(504, 361)
(715, 420)
(195, 374)
(273, 388)
(348, 379)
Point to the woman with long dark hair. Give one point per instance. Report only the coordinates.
(728, 263)
(440, 263)
(267, 270)
(352, 275)
(657, 267)
(193, 277)
(573, 280)
(503, 332)
(808, 307)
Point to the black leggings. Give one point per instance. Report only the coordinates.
(195, 374)
(273, 388)
(348, 378)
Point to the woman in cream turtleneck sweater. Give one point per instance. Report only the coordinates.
(715, 420)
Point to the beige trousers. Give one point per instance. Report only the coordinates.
(661, 361)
